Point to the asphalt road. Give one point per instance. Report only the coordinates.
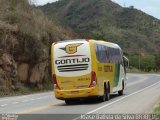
(140, 96)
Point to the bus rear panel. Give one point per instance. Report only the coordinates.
(72, 70)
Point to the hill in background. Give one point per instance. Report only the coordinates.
(25, 37)
(132, 29)
(26, 34)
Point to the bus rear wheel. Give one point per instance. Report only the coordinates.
(103, 97)
(106, 95)
(68, 102)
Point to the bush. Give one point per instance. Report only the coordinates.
(143, 63)
(157, 60)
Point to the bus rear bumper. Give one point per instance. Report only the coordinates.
(76, 93)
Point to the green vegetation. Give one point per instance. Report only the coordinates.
(26, 34)
(23, 26)
(143, 63)
(157, 110)
(136, 32)
(33, 29)
(148, 63)
(157, 61)
(25, 39)
(26, 89)
(102, 19)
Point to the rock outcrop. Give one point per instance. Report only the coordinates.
(23, 70)
(8, 67)
(38, 72)
(8, 73)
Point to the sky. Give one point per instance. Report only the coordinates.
(42, 2)
(151, 7)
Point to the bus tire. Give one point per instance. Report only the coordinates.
(106, 95)
(108, 92)
(103, 97)
(68, 102)
(121, 91)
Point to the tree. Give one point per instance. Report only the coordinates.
(157, 62)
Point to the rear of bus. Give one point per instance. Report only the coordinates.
(72, 73)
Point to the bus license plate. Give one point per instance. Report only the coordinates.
(74, 92)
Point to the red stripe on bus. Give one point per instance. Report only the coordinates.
(71, 56)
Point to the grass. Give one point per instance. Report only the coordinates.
(24, 89)
(157, 110)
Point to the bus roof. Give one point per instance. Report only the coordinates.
(110, 44)
(71, 40)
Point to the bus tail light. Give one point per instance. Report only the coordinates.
(93, 79)
(54, 80)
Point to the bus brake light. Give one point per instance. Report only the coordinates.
(93, 79)
(54, 80)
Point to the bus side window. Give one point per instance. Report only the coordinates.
(107, 54)
(100, 53)
(97, 48)
(103, 53)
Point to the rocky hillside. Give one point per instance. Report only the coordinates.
(25, 37)
(133, 29)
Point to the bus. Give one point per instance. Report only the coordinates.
(87, 69)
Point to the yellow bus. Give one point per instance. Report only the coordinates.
(87, 68)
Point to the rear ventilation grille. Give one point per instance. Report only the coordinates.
(70, 68)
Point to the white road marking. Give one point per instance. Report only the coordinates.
(136, 82)
(32, 99)
(106, 105)
(47, 96)
(24, 96)
(123, 98)
(4, 105)
(44, 97)
(6, 99)
(15, 103)
(25, 101)
(39, 98)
